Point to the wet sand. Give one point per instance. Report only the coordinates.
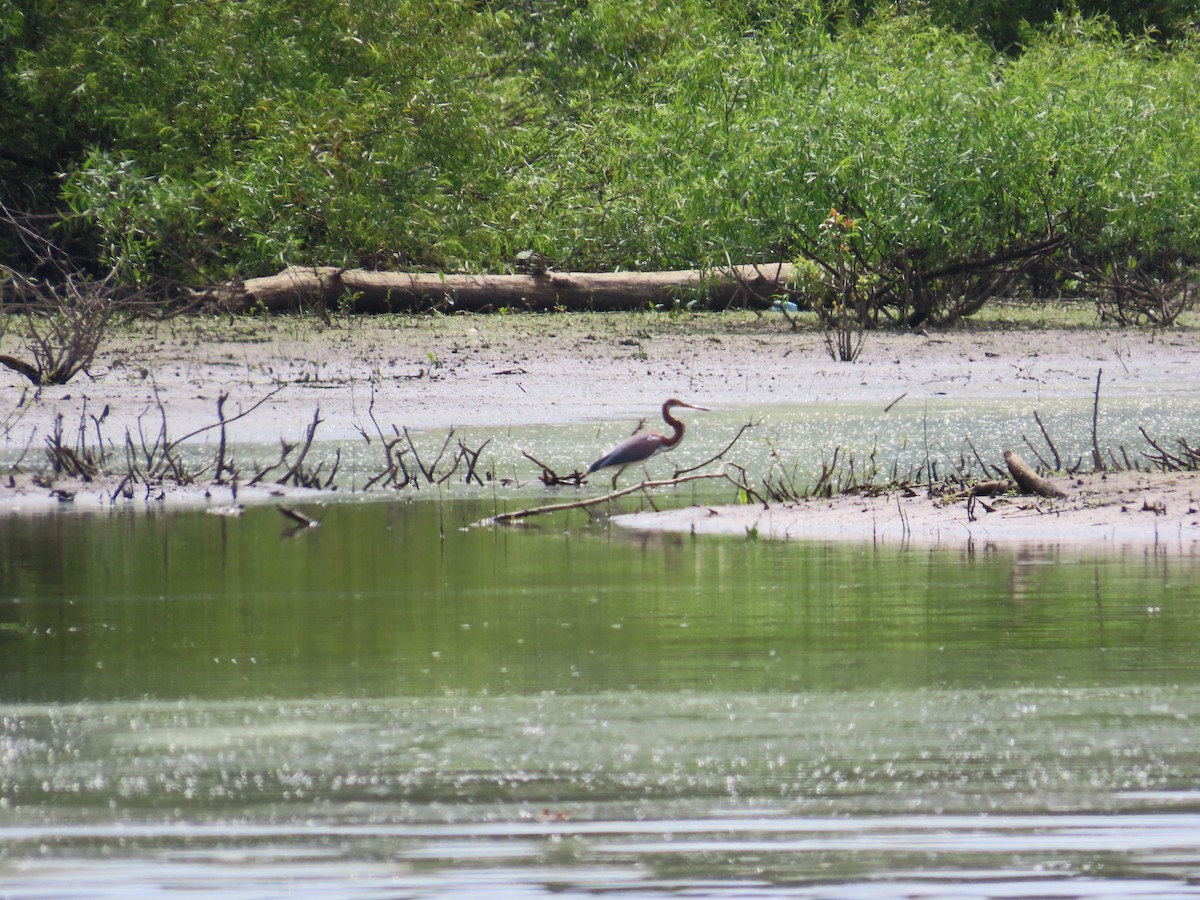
(1117, 511)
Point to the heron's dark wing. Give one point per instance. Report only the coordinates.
(631, 450)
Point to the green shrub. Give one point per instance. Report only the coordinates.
(1119, 135)
(204, 140)
(249, 135)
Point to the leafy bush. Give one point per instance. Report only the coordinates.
(1009, 26)
(243, 136)
(1118, 138)
(212, 139)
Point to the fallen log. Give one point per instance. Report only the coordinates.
(1028, 480)
(379, 292)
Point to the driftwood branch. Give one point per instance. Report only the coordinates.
(991, 488)
(21, 367)
(520, 514)
(298, 517)
(1028, 480)
(372, 292)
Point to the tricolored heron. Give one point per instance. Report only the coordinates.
(640, 447)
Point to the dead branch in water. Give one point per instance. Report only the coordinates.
(397, 474)
(298, 517)
(221, 420)
(297, 475)
(519, 514)
(1050, 443)
(1186, 460)
(471, 458)
(79, 462)
(428, 471)
(550, 478)
(1034, 450)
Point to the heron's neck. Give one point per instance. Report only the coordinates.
(676, 428)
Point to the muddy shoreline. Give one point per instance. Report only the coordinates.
(473, 371)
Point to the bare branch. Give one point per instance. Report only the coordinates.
(720, 455)
(518, 515)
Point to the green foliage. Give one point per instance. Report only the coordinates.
(1006, 25)
(1117, 139)
(250, 135)
(203, 140)
(1010, 26)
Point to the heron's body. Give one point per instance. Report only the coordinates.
(640, 447)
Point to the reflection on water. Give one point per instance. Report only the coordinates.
(397, 705)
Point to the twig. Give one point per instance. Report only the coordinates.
(427, 472)
(458, 458)
(1192, 453)
(978, 458)
(905, 529)
(333, 470)
(285, 451)
(394, 462)
(823, 487)
(296, 474)
(223, 421)
(1032, 449)
(720, 455)
(1046, 435)
(1097, 459)
(221, 464)
(1166, 460)
(438, 458)
(472, 458)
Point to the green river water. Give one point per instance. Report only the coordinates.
(397, 704)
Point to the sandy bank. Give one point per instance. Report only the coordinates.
(1152, 511)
